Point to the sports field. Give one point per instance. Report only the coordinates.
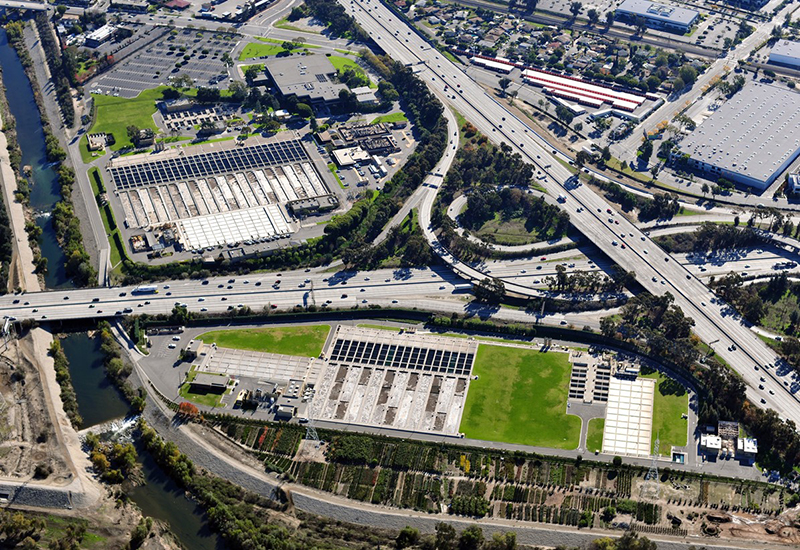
(670, 402)
(594, 434)
(520, 397)
(302, 341)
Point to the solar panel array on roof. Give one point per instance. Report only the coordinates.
(154, 172)
(405, 357)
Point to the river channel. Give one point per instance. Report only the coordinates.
(45, 188)
(100, 402)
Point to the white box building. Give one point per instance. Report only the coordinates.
(751, 139)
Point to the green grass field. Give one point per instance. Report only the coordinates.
(257, 49)
(670, 402)
(115, 114)
(594, 434)
(508, 232)
(392, 117)
(520, 397)
(341, 63)
(304, 341)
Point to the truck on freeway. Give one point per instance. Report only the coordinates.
(145, 289)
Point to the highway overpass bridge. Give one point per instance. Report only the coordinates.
(23, 5)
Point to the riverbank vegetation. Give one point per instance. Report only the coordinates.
(15, 159)
(68, 397)
(113, 462)
(119, 370)
(55, 61)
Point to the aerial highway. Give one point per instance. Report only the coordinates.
(623, 242)
(424, 289)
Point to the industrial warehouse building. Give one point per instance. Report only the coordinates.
(308, 77)
(786, 54)
(658, 16)
(751, 139)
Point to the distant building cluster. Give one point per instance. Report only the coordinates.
(750, 139)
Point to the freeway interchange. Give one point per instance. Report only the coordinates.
(716, 322)
(624, 242)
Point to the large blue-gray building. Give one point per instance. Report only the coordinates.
(751, 139)
(657, 16)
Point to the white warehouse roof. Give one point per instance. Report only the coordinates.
(754, 135)
(785, 52)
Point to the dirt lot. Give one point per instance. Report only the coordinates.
(27, 436)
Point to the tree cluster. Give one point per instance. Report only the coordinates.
(68, 397)
(58, 69)
(114, 462)
(335, 16)
(663, 206)
(710, 237)
(117, 369)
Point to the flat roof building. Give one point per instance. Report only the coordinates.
(350, 156)
(785, 53)
(365, 94)
(309, 77)
(747, 447)
(100, 36)
(751, 139)
(658, 16)
(210, 382)
(710, 443)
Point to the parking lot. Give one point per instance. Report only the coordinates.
(403, 381)
(199, 53)
(220, 194)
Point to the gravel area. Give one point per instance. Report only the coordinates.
(40, 497)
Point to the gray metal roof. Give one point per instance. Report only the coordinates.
(787, 48)
(210, 380)
(659, 12)
(753, 134)
(305, 75)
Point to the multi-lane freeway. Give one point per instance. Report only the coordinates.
(623, 242)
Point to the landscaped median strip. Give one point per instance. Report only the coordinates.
(118, 252)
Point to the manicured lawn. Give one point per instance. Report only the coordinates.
(256, 49)
(670, 402)
(392, 117)
(341, 63)
(520, 397)
(594, 435)
(115, 114)
(304, 341)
